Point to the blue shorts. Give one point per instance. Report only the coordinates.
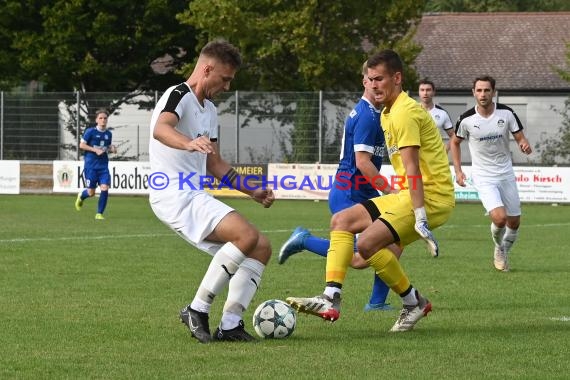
(97, 177)
(340, 197)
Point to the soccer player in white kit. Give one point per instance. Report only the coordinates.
(183, 148)
(487, 126)
(426, 91)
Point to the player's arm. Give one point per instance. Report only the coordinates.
(411, 161)
(223, 171)
(522, 142)
(165, 131)
(364, 164)
(88, 148)
(455, 147)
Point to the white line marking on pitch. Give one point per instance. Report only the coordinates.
(135, 236)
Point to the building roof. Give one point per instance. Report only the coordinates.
(518, 49)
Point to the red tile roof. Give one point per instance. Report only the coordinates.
(517, 49)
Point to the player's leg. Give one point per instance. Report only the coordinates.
(104, 182)
(490, 196)
(396, 223)
(245, 281)
(380, 290)
(510, 196)
(195, 218)
(344, 225)
(301, 239)
(90, 177)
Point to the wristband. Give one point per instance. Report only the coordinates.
(420, 213)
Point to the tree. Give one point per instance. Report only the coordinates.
(556, 149)
(306, 45)
(93, 46)
(105, 45)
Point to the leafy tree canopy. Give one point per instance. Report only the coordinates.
(103, 45)
(307, 45)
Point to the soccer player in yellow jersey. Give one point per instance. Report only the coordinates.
(418, 156)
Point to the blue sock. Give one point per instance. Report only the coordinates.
(102, 201)
(84, 194)
(379, 291)
(317, 245)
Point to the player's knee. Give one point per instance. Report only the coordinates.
(365, 247)
(340, 222)
(264, 247)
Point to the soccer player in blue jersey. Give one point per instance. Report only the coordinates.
(97, 143)
(361, 157)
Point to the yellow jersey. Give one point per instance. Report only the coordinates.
(406, 123)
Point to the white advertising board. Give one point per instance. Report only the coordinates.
(126, 177)
(9, 177)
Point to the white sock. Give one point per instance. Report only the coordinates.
(497, 234)
(410, 299)
(222, 268)
(509, 238)
(331, 290)
(242, 288)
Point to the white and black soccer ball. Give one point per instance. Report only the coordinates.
(274, 319)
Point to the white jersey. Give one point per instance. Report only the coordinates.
(194, 120)
(441, 118)
(489, 141)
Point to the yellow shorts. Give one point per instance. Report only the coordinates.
(397, 212)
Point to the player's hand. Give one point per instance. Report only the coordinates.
(460, 178)
(201, 144)
(425, 233)
(525, 147)
(265, 197)
(98, 151)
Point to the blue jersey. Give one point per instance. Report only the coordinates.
(95, 138)
(362, 133)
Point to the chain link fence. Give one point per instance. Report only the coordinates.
(255, 127)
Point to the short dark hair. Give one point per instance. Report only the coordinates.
(222, 51)
(101, 110)
(485, 78)
(427, 81)
(389, 58)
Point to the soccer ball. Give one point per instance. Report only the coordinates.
(274, 319)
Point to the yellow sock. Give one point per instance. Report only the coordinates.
(339, 256)
(389, 270)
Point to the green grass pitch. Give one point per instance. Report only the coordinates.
(81, 298)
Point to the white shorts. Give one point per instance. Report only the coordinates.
(192, 215)
(499, 193)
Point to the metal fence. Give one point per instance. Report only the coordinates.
(255, 127)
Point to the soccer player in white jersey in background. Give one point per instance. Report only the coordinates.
(426, 91)
(487, 126)
(183, 146)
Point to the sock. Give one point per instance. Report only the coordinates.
(388, 268)
(379, 291)
(339, 256)
(317, 245)
(497, 234)
(223, 266)
(84, 194)
(509, 238)
(102, 201)
(331, 290)
(409, 297)
(242, 288)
